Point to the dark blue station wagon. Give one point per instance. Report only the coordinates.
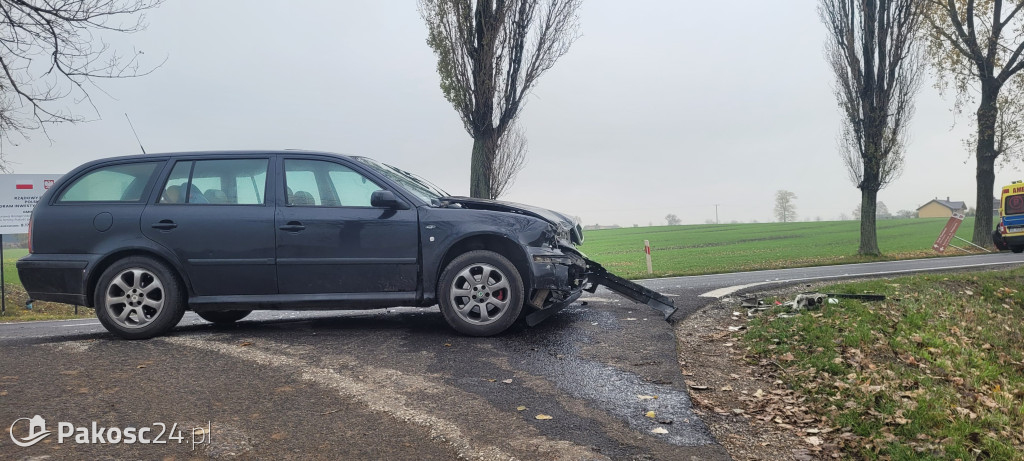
(144, 238)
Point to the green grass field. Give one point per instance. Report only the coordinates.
(716, 248)
(12, 256)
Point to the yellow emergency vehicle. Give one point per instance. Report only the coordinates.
(1009, 233)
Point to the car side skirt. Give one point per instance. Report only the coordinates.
(321, 301)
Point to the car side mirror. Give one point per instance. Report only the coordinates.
(386, 199)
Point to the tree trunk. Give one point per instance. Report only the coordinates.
(479, 165)
(986, 155)
(868, 233)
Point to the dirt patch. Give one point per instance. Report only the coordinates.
(749, 410)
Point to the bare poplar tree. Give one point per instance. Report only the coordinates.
(977, 47)
(509, 160)
(872, 50)
(49, 51)
(785, 209)
(490, 54)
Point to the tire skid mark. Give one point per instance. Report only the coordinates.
(374, 388)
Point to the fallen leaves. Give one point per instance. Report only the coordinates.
(542, 417)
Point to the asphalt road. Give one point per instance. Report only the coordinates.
(395, 383)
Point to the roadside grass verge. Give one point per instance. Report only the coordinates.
(717, 248)
(934, 372)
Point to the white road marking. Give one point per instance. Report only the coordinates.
(78, 325)
(730, 290)
(722, 292)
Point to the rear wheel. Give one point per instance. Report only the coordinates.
(138, 298)
(481, 293)
(1017, 249)
(224, 317)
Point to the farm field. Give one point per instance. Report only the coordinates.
(717, 248)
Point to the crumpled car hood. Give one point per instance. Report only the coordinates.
(565, 223)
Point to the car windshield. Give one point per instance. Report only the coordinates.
(420, 187)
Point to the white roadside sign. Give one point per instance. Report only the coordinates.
(18, 195)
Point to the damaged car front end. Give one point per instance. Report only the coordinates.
(560, 272)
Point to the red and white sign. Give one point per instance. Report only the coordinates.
(18, 196)
(647, 249)
(948, 232)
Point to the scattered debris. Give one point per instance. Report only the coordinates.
(659, 430)
(803, 301)
(542, 416)
(697, 387)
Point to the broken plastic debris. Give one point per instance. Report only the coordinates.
(542, 416)
(646, 397)
(507, 381)
(659, 430)
(521, 408)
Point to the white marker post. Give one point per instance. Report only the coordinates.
(647, 249)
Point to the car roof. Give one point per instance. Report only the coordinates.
(228, 153)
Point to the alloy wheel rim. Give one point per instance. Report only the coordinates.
(134, 298)
(480, 294)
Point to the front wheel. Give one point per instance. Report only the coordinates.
(224, 317)
(138, 298)
(481, 293)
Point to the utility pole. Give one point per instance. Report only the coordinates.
(716, 214)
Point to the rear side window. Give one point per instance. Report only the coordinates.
(114, 183)
(217, 182)
(1013, 204)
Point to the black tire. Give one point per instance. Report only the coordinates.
(997, 240)
(138, 298)
(480, 293)
(1017, 249)
(224, 317)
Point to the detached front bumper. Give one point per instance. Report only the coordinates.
(560, 278)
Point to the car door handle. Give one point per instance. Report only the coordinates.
(164, 224)
(292, 226)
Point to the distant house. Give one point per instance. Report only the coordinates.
(937, 208)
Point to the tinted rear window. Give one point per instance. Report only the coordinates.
(113, 183)
(1013, 204)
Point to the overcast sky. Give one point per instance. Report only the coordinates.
(660, 106)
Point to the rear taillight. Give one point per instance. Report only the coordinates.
(30, 220)
(1002, 227)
